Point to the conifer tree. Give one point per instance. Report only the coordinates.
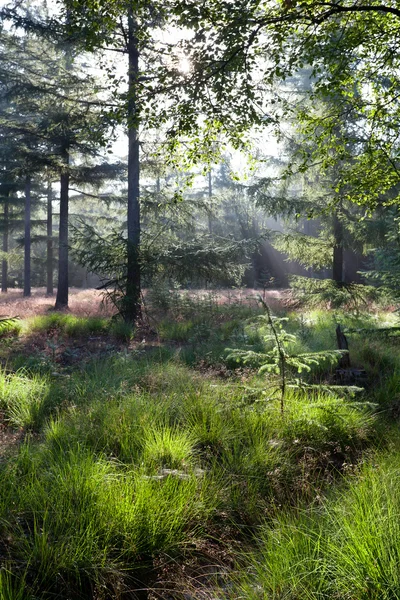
(56, 117)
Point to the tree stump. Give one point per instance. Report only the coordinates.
(344, 362)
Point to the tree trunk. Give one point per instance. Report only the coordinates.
(62, 288)
(131, 308)
(337, 268)
(4, 267)
(210, 193)
(49, 258)
(27, 238)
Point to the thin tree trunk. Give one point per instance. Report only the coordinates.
(62, 288)
(4, 267)
(49, 258)
(27, 238)
(337, 267)
(210, 193)
(131, 308)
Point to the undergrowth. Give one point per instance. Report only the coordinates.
(144, 453)
(344, 547)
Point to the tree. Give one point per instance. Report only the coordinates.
(240, 51)
(153, 79)
(10, 185)
(126, 28)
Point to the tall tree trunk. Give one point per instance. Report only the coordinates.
(131, 308)
(4, 266)
(210, 193)
(49, 257)
(27, 238)
(337, 267)
(62, 288)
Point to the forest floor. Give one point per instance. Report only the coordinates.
(146, 463)
(89, 302)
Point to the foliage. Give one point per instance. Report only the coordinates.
(308, 251)
(200, 260)
(10, 325)
(349, 47)
(278, 360)
(385, 256)
(327, 291)
(348, 546)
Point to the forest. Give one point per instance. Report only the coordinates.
(200, 297)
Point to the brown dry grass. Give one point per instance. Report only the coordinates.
(88, 302)
(82, 303)
(248, 296)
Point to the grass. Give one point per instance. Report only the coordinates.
(78, 516)
(348, 547)
(22, 398)
(68, 324)
(144, 452)
(140, 458)
(121, 330)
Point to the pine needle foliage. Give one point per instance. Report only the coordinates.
(10, 325)
(279, 361)
(307, 251)
(314, 292)
(200, 260)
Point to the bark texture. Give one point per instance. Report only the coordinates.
(4, 266)
(131, 309)
(27, 238)
(62, 288)
(49, 257)
(337, 267)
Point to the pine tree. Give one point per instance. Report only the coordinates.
(56, 117)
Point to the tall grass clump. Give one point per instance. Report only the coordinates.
(12, 586)
(78, 519)
(23, 397)
(68, 324)
(349, 547)
(122, 330)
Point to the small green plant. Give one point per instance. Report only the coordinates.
(122, 330)
(53, 345)
(10, 325)
(277, 360)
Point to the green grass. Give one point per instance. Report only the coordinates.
(348, 547)
(121, 330)
(77, 517)
(23, 398)
(141, 455)
(68, 324)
